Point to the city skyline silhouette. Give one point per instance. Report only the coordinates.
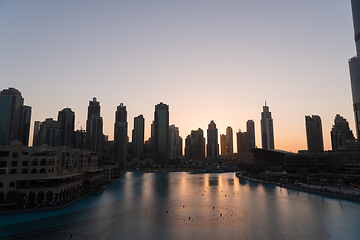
(207, 60)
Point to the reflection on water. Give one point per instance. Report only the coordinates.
(188, 206)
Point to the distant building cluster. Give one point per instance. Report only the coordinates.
(164, 144)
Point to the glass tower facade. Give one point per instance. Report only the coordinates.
(267, 129)
(354, 65)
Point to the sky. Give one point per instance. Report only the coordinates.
(207, 59)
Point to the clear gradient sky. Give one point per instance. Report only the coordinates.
(207, 59)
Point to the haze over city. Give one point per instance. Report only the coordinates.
(207, 60)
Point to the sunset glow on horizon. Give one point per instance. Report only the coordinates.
(207, 60)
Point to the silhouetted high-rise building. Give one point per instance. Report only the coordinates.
(79, 139)
(246, 140)
(340, 133)
(138, 137)
(36, 134)
(241, 141)
(25, 125)
(161, 133)
(212, 141)
(67, 119)
(226, 142)
(314, 133)
(50, 133)
(94, 128)
(229, 140)
(267, 129)
(195, 145)
(120, 135)
(354, 65)
(175, 142)
(250, 134)
(14, 117)
(223, 145)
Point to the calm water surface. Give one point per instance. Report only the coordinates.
(192, 206)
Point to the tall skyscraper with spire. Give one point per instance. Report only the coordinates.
(267, 129)
(354, 65)
(120, 135)
(14, 117)
(212, 147)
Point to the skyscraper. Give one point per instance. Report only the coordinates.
(223, 145)
(94, 128)
(120, 135)
(25, 125)
(175, 142)
(241, 141)
(314, 133)
(36, 138)
(138, 137)
(246, 140)
(195, 145)
(354, 66)
(250, 135)
(67, 119)
(50, 133)
(14, 117)
(340, 133)
(161, 133)
(267, 129)
(229, 140)
(212, 141)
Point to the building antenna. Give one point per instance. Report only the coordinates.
(265, 103)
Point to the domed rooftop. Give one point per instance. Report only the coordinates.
(16, 143)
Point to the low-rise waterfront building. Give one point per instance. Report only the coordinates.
(46, 174)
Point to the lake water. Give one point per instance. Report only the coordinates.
(191, 206)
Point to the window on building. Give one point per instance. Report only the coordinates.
(25, 153)
(4, 153)
(13, 171)
(12, 184)
(43, 162)
(2, 163)
(15, 155)
(25, 163)
(13, 163)
(24, 170)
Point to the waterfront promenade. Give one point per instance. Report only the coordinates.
(346, 193)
